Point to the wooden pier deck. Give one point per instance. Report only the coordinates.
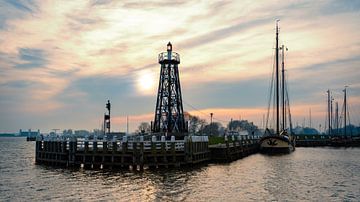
(122, 153)
(326, 140)
(139, 154)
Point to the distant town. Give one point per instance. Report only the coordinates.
(197, 126)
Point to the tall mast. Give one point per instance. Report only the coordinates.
(310, 117)
(328, 100)
(263, 120)
(345, 110)
(337, 117)
(331, 114)
(277, 77)
(127, 124)
(283, 87)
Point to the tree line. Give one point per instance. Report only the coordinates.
(198, 126)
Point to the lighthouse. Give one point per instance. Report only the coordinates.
(169, 113)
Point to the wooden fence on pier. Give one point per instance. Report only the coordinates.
(235, 148)
(327, 140)
(75, 152)
(136, 153)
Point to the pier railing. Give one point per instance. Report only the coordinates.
(118, 145)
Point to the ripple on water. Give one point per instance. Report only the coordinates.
(316, 174)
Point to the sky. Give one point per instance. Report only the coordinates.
(60, 61)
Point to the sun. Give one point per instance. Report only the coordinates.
(146, 82)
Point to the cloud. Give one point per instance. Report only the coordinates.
(153, 4)
(13, 9)
(243, 93)
(100, 2)
(21, 5)
(31, 58)
(335, 7)
(66, 59)
(222, 33)
(17, 84)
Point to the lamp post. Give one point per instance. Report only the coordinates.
(211, 128)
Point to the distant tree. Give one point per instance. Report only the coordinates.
(244, 125)
(144, 127)
(214, 129)
(67, 132)
(196, 124)
(239, 125)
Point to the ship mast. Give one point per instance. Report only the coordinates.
(337, 117)
(328, 100)
(345, 110)
(283, 87)
(277, 77)
(331, 115)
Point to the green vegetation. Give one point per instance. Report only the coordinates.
(218, 140)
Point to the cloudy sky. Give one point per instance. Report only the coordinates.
(60, 61)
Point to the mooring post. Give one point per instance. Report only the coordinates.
(173, 152)
(57, 151)
(163, 150)
(72, 150)
(37, 149)
(206, 145)
(124, 148)
(141, 155)
(114, 147)
(94, 152)
(190, 154)
(95, 146)
(134, 156)
(153, 149)
(105, 146)
(114, 150)
(104, 154)
(63, 146)
(86, 146)
(227, 147)
(233, 140)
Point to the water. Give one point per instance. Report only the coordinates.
(316, 174)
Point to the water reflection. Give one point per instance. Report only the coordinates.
(306, 174)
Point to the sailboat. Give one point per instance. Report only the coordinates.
(281, 139)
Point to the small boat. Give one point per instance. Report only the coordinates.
(277, 144)
(281, 139)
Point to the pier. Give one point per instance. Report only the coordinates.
(137, 153)
(236, 148)
(124, 153)
(326, 140)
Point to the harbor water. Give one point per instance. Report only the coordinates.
(315, 174)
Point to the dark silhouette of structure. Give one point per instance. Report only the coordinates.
(107, 118)
(169, 113)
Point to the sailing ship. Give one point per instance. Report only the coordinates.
(281, 139)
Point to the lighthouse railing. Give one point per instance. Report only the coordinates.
(164, 56)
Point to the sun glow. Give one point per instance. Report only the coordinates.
(145, 82)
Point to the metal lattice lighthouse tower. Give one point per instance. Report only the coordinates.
(169, 113)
